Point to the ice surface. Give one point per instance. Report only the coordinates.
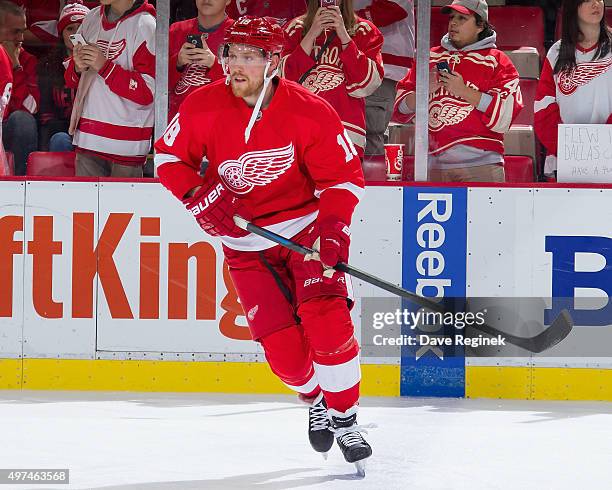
(180, 441)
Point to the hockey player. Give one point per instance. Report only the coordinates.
(280, 157)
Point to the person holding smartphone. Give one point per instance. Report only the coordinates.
(193, 48)
(474, 96)
(336, 55)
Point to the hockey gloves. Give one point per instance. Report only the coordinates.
(214, 207)
(332, 244)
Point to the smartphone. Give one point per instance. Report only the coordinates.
(443, 66)
(78, 39)
(196, 40)
(328, 3)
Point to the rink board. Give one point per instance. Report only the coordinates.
(114, 287)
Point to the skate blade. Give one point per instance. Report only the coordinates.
(360, 466)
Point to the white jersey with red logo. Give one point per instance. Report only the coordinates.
(6, 85)
(343, 77)
(580, 96)
(395, 19)
(117, 116)
(291, 159)
(181, 83)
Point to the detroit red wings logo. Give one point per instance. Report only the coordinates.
(584, 73)
(447, 112)
(323, 79)
(111, 51)
(195, 76)
(256, 168)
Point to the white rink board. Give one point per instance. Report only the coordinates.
(12, 198)
(45, 334)
(509, 259)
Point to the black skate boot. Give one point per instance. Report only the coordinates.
(354, 447)
(319, 434)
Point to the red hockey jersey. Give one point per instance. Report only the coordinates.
(292, 159)
(182, 83)
(6, 84)
(25, 95)
(581, 96)
(452, 120)
(395, 19)
(342, 77)
(283, 10)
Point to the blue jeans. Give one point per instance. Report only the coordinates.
(61, 142)
(20, 136)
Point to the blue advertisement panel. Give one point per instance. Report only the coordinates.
(434, 265)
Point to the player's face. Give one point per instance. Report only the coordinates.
(211, 7)
(69, 30)
(462, 29)
(246, 67)
(12, 29)
(591, 11)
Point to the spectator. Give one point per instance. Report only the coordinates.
(576, 82)
(6, 85)
(474, 95)
(282, 10)
(20, 134)
(55, 98)
(395, 19)
(336, 55)
(112, 117)
(192, 67)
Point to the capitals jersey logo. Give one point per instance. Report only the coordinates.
(195, 76)
(582, 74)
(256, 168)
(447, 112)
(111, 51)
(323, 79)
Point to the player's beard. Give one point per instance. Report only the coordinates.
(246, 89)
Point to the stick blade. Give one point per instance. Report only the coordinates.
(558, 330)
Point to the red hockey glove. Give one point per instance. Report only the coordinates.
(214, 207)
(335, 239)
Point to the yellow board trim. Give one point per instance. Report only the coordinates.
(173, 376)
(538, 383)
(10, 374)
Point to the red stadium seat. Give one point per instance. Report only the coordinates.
(519, 169)
(528, 89)
(56, 164)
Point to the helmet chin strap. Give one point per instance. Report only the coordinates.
(260, 99)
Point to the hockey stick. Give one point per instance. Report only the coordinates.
(555, 333)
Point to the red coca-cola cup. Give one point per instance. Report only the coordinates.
(394, 157)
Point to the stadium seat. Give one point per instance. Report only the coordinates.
(528, 89)
(56, 164)
(526, 60)
(520, 140)
(519, 169)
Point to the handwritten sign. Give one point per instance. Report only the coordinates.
(585, 153)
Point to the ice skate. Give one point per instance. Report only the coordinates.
(354, 447)
(319, 434)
